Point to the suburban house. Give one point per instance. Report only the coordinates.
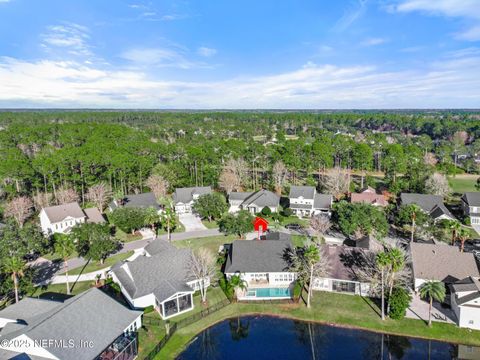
(254, 202)
(88, 326)
(305, 201)
(144, 201)
(442, 263)
(183, 198)
(261, 264)
(369, 196)
(471, 208)
(159, 278)
(341, 276)
(432, 205)
(465, 302)
(62, 218)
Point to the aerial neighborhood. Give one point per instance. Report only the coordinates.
(131, 260)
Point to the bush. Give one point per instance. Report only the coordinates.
(227, 288)
(266, 211)
(287, 212)
(148, 309)
(399, 302)
(297, 290)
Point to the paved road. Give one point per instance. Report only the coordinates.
(48, 269)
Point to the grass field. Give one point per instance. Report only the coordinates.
(329, 308)
(463, 183)
(212, 243)
(95, 266)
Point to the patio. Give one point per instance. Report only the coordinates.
(418, 309)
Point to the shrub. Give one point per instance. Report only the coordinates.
(287, 212)
(148, 309)
(297, 290)
(399, 302)
(227, 288)
(266, 211)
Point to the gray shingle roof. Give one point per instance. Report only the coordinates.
(307, 192)
(167, 288)
(472, 198)
(442, 262)
(158, 246)
(467, 284)
(94, 216)
(424, 201)
(236, 195)
(185, 195)
(464, 299)
(89, 316)
(337, 263)
(257, 256)
(27, 308)
(322, 201)
(144, 200)
(262, 198)
(60, 212)
(440, 210)
(12, 355)
(277, 235)
(150, 273)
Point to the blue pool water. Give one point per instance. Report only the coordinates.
(272, 292)
(265, 338)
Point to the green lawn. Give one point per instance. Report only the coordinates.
(178, 229)
(55, 256)
(149, 335)
(212, 243)
(330, 308)
(94, 266)
(76, 288)
(210, 224)
(124, 237)
(461, 184)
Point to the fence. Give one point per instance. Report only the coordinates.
(174, 326)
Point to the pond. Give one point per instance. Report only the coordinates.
(259, 337)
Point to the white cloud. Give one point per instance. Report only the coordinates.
(373, 41)
(206, 52)
(472, 34)
(355, 11)
(452, 82)
(4, 1)
(72, 37)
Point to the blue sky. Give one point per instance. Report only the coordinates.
(240, 54)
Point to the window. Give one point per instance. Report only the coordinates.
(470, 322)
(343, 286)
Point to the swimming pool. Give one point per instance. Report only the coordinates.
(269, 293)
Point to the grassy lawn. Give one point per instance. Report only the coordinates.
(79, 287)
(299, 240)
(212, 243)
(330, 308)
(55, 256)
(461, 184)
(125, 238)
(210, 224)
(178, 229)
(94, 266)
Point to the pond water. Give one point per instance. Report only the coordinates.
(253, 338)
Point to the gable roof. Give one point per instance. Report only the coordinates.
(60, 212)
(257, 256)
(307, 192)
(239, 195)
(369, 198)
(144, 200)
(464, 299)
(94, 216)
(442, 262)
(185, 195)
(262, 198)
(158, 246)
(464, 285)
(338, 259)
(90, 316)
(27, 308)
(322, 201)
(162, 270)
(472, 198)
(277, 235)
(441, 210)
(425, 201)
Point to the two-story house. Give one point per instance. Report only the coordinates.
(471, 207)
(253, 202)
(305, 201)
(183, 198)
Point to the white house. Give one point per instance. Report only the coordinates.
(471, 208)
(88, 326)
(253, 202)
(341, 275)
(465, 302)
(441, 263)
(260, 263)
(62, 218)
(183, 198)
(305, 201)
(159, 278)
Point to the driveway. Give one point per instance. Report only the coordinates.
(191, 222)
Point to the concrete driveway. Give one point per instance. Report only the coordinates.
(191, 222)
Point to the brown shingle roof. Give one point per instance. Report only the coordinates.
(369, 198)
(442, 262)
(60, 212)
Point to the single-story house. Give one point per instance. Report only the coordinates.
(305, 201)
(341, 276)
(471, 207)
(62, 218)
(143, 201)
(431, 204)
(465, 302)
(369, 196)
(263, 267)
(88, 326)
(441, 263)
(159, 278)
(183, 198)
(254, 202)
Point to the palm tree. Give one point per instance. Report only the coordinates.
(455, 226)
(237, 283)
(168, 219)
(14, 266)
(383, 262)
(151, 217)
(463, 235)
(397, 263)
(433, 290)
(64, 246)
(310, 256)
